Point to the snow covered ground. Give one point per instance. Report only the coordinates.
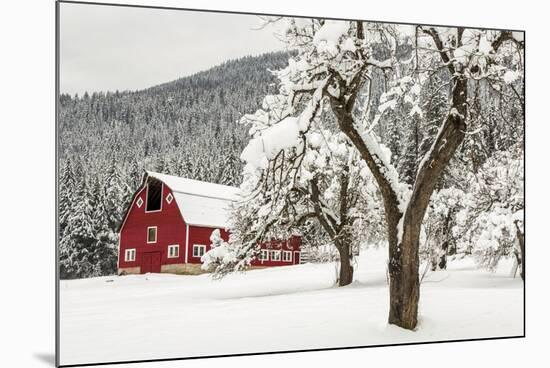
(288, 308)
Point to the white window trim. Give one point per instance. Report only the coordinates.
(287, 252)
(177, 246)
(156, 234)
(171, 196)
(186, 242)
(262, 252)
(161, 198)
(142, 202)
(198, 246)
(272, 252)
(127, 253)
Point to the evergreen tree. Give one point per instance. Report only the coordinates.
(104, 249)
(67, 187)
(76, 248)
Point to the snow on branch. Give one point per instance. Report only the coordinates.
(282, 135)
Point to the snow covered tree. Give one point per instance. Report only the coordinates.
(332, 64)
(104, 250)
(76, 246)
(117, 194)
(491, 223)
(67, 189)
(320, 179)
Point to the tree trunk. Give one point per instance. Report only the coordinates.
(403, 238)
(404, 280)
(404, 260)
(521, 241)
(346, 269)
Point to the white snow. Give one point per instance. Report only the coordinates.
(296, 307)
(201, 203)
(272, 140)
(196, 187)
(485, 45)
(349, 45)
(328, 36)
(510, 76)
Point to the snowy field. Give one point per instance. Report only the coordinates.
(288, 308)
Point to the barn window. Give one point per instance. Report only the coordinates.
(129, 255)
(199, 250)
(287, 256)
(275, 255)
(139, 202)
(152, 234)
(173, 251)
(169, 198)
(263, 255)
(154, 196)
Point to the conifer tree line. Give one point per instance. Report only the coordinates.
(187, 128)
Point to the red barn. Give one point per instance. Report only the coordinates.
(168, 225)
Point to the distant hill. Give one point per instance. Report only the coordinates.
(189, 119)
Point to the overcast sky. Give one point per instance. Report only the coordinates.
(108, 48)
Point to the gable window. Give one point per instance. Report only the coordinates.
(287, 256)
(264, 255)
(152, 234)
(173, 251)
(139, 202)
(199, 250)
(129, 255)
(275, 255)
(154, 196)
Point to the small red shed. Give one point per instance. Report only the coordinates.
(168, 225)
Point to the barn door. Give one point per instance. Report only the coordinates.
(145, 263)
(155, 262)
(150, 262)
(296, 258)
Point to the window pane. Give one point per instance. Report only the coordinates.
(152, 235)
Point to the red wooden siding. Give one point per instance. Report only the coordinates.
(170, 225)
(291, 245)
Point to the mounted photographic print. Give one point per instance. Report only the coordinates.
(233, 184)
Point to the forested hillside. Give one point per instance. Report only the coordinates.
(187, 127)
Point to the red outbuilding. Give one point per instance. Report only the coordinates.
(168, 225)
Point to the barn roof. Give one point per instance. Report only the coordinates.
(200, 203)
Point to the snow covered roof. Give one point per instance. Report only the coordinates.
(200, 203)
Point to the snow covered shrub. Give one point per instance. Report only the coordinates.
(220, 253)
(491, 224)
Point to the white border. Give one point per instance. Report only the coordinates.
(127, 251)
(161, 197)
(287, 252)
(198, 246)
(156, 234)
(273, 251)
(266, 253)
(177, 246)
